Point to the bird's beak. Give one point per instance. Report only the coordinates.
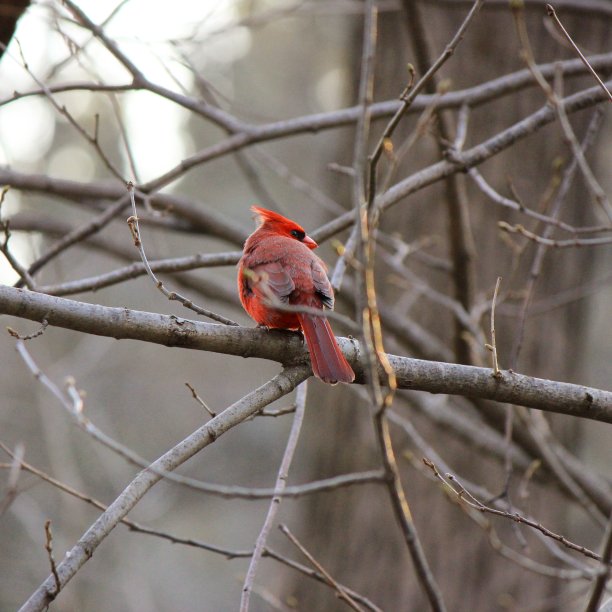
(309, 242)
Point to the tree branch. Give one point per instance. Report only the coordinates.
(82, 551)
(462, 162)
(416, 374)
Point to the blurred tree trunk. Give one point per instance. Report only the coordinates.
(373, 560)
(10, 12)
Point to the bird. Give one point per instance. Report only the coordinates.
(278, 265)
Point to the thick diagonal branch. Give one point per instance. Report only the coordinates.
(82, 551)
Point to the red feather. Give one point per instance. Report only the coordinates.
(278, 264)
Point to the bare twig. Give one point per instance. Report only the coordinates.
(228, 553)
(557, 103)
(72, 401)
(21, 270)
(13, 478)
(137, 269)
(410, 279)
(538, 260)
(200, 401)
(39, 332)
(79, 234)
(62, 110)
(395, 155)
(465, 497)
(539, 430)
(474, 174)
(367, 220)
(459, 233)
(340, 591)
(557, 244)
(473, 96)
(171, 295)
(592, 8)
(313, 573)
(553, 15)
(599, 585)
(281, 482)
(583, 571)
(49, 549)
(206, 219)
(81, 552)
(493, 346)
(367, 215)
(277, 413)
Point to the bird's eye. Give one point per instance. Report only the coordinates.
(298, 234)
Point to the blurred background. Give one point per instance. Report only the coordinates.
(264, 62)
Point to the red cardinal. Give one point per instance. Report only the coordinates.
(278, 264)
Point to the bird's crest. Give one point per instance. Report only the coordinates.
(263, 215)
(270, 221)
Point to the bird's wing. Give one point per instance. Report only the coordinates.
(321, 283)
(273, 278)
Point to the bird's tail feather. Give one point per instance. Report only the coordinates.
(328, 362)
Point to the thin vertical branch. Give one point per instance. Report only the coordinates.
(21, 270)
(49, 549)
(366, 94)
(368, 219)
(553, 15)
(281, 483)
(366, 222)
(541, 250)
(558, 104)
(402, 512)
(493, 346)
(600, 582)
(461, 242)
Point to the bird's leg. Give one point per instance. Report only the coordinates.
(280, 330)
(297, 332)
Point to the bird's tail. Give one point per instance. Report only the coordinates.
(328, 362)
